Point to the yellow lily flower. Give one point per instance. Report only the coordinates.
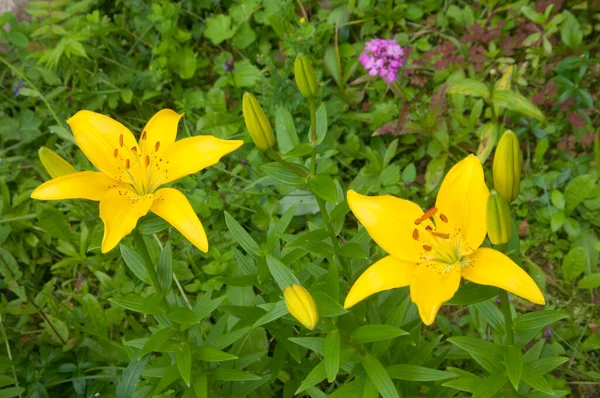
(131, 173)
(430, 251)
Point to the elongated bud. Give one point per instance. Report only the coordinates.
(301, 305)
(257, 123)
(507, 166)
(54, 164)
(305, 76)
(498, 218)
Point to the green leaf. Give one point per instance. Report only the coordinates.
(489, 387)
(487, 354)
(17, 38)
(281, 273)
(370, 333)
(278, 310)
(578, 189)
(321, 122)
(591, 281)
(537, 320)
(315, 344)
(570, 31)
(435, 171)
(246, 74)
(187, 63)
(352, 250)
(183, 357)
(229, 338)
(285, 130)
(472, 293)
(204, 308)
(469, 87)
(241, 236)
(574, 263)
(545, 365)
(165, 268)
(218, 28)
(12, 392)
(299, 151)
(183, 316)
(211, 354)
(535, 379)
(487, 141)
(316, 375)
(131, 378)
(156, 341)
(282, 173)
(224, 374)
(130, 302)
(331, 356)
(135, 263)
(417, 373)
(323, 186)
(516, 102)
(327, 306)
(513, 363)
(557, 198)
(379, 376)
(332, 65)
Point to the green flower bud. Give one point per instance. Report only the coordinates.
(498, 219)
(301, 305)
(257, 123)
(54, 164)
(507, 166)
(305, 76)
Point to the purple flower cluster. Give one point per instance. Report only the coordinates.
(384, 58)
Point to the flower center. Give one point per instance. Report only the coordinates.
(441, 246)
(143, 171)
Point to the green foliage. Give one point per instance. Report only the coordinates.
(76, 322)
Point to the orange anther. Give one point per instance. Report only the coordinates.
(429, 228)
(147, 160)
(121, 140)
(134, 148)
(156, 146)
(144, 134)
(441, 235)
(416, 234)
(427, 248)
(127, 163)
(443, 217)
(116, 152)
(429, 213)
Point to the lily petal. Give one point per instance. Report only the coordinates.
(387, 273)
(433, 284)
(98, 136)
(490, 267)
(173, 207)
(83, 185)
(120, 210)
(462, 199)
(190, 155)
(160, 132)
(390, 222)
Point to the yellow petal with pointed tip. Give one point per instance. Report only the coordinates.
(54, 164)
(98, 136)
(174, 208)
(387, 273)
(301, 305)
(161, 131)
(462, 199)
(433, 284)
(83, 185)
(120, 210)
(190, 155)
(390, 221)
(490, 267)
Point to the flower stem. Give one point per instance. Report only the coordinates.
(313, 135)
(505, 306)
(275, 156)
(139, 240)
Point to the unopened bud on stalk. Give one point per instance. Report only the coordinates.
(257, 123)
(301, 305)
(305, 76)
(498, 219)
(54, 164)
(507, 166)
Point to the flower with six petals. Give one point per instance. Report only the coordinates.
(430, 251)
(131, 173)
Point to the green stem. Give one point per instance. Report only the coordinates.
(505, 305)
(18, 218)
(332, 234)
(275, 156)
(139, 240)
(9, 354)
(313, 135)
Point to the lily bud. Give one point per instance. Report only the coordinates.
(257, 123)
(498, 219)
(301, 305)
(305, 76)
(507, 166)
(54, 164)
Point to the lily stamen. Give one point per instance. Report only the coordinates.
(416, 234)
(443, 217)
(441, 235)
(427, 248)
(428, 214)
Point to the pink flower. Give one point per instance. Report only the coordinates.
(383, 57)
